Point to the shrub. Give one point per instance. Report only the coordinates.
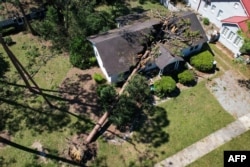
(186, 77)
(164, 86)
(206, 21)
(99, 78)
(92, 61)
(8, 40)
(203, 61)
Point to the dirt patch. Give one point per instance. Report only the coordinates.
(80, 89)
(39, 147)
(5, 135)
(234, 98)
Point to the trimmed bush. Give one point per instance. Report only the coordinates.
(99, 78)
(206, 21)
(8, 40)
(203, 61)
(92, 61)
(186, 77)
(164, 86)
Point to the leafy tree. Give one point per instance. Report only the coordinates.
(164, 86)
(203, 61)
(138, 89)
(107, 96)
(245, 48)
(123, 111)
(68, 23)
(79, 57)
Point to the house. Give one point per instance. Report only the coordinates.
(117, 50)
(167, 62)
(228, 15)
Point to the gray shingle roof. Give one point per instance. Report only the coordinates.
(118, 48)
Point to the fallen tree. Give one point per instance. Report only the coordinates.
(105, 116)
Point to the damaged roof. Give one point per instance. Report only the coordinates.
(118, 48)
(165, 58)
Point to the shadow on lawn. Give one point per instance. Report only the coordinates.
(150, 128)
(29, 150)
(41, 119)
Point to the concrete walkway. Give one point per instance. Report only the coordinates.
(207, 144)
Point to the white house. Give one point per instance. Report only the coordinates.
(228, 15)
(117, 51)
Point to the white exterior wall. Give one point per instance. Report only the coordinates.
(229, 40)
(99, 60)
(229, 8)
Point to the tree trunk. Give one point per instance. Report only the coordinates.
(22, 71)
(27, 23)
(105, 116)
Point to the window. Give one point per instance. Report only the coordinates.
(196, 46)
(236, 5)
(219, 14)
(225, 31)
(231, 35)
(213, 8)
(192, 48)
(237, 41)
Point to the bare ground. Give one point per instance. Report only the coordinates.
(80, 88)
(234, 98)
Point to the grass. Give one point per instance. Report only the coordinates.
(229, 63)
(135, 6)
(28, 120)
(192, 115)
(215, 158)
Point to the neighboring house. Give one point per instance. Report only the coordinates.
(117, 51)
(217, 10)
(228, 15)
(170, 5)
(229, 32)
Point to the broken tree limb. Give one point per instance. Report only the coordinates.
(105, 116)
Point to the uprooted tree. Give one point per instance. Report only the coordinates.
(175, 33)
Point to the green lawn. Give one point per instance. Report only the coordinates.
(215, 158)
(135, 6)
(192, 115)
(229, 63)
(28, 119)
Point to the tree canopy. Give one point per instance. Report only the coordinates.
(68, 23)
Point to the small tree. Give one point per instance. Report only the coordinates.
(186, 77)
(203, 61)
(164, 86)
(245, 48)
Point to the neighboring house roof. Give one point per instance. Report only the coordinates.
(240, 21)
(118, 48)
(246, 4)
(165, 58)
